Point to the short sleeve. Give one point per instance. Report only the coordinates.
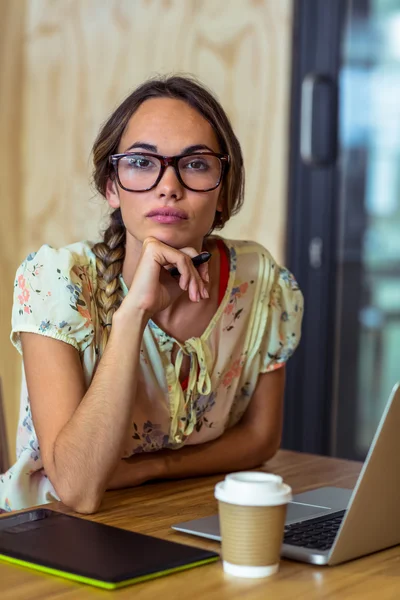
(284, 307)
(53, 296)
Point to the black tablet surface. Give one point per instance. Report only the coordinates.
(91, 552)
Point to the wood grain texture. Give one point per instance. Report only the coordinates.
(82, 57)
(152, 509)
(11, 226)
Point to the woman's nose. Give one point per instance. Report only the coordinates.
(169, 184)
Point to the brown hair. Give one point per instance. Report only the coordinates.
(110, 252)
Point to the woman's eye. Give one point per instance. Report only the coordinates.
(139, 163)
(197, 165)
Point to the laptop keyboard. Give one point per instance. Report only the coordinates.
(318, 533)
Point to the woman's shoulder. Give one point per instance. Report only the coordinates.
(78, 254)
(60, 264)
(254, 260)
(250, 258)
(247, 247)
(54, 294)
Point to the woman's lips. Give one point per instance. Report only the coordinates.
(166, 219)
(167, 216)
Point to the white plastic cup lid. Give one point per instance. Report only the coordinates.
(253, 488)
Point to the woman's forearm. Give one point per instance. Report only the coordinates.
(88, 447)
(237, 449)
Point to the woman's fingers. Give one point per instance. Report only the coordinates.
(204, 279)
(197, 287)
(185, 268)
(189, 278)
(193, 279)
(203, 272)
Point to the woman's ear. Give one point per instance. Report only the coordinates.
(112, 193)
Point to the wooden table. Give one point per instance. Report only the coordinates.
(153, 508)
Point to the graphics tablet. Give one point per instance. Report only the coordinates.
(90, 552)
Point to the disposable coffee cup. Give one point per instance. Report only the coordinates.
(252, 511)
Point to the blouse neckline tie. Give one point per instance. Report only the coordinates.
(183, 417)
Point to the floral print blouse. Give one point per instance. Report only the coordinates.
(255, 329)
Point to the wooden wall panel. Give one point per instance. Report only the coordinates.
(82, 57)
(11, 226)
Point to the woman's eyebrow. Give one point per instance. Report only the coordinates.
(144, 145)
(196, 148)
(152, 148)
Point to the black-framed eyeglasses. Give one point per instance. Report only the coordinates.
(142, 171)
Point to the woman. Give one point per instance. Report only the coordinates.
(133, 373)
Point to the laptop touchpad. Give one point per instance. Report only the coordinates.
(298, 512)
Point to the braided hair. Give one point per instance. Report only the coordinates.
(110, 254)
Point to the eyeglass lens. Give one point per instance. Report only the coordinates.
(198, 171)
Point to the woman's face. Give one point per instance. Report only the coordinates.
(167, 127)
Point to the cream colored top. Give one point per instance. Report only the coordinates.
(255, 329)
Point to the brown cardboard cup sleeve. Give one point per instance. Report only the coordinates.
(252, 511)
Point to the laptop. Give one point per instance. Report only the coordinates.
(330, 525)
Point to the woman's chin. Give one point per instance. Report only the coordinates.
(174, 237)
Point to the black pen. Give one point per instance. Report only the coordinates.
(196, 260)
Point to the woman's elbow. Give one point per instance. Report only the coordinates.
(78, 493)
(85, 505)
(266, 449)
(84, 501)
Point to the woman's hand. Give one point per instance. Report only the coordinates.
(133, 471)
(153, 288)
